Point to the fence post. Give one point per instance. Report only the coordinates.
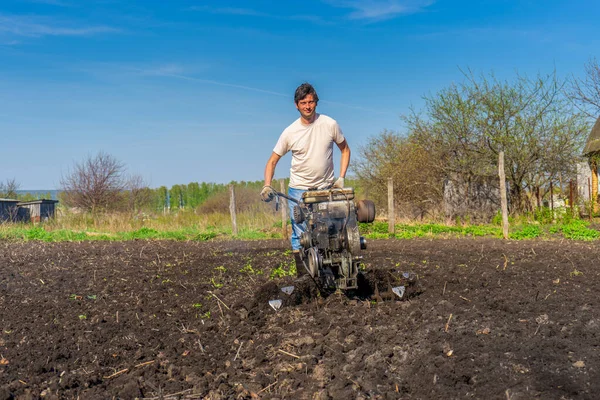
(571, 198)
(284, 209)
(391, 213)
(503, 201)
(590, 210)
(552, 199)
(234, 228)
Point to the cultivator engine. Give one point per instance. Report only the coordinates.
(331, 244)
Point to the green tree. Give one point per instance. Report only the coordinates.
(193, 194)
(161, 199)
(178, 196)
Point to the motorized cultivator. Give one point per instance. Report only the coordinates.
(331, 245)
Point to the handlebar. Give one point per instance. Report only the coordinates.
(285, 196)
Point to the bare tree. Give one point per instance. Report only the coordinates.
(585, 92)
(466, 125)
(9, 188)
(139, 194)
(417, 181)
(96, 184)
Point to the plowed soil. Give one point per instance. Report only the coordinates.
(492, 319)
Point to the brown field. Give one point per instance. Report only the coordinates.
(179, 320)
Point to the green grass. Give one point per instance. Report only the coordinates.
(379, 230)
(571, 229)
(28, 232)
(574, 229)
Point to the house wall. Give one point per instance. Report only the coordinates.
(31, 212)
(584, 179)
(477, 199)
(37, 212)
(46, 211)
(8, 210)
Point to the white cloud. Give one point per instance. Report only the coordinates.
(254, 13)
(230, 11)
(58, 3)
(375, 10)
(38, 26)
(166, 69)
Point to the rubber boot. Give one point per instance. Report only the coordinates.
(300, 270)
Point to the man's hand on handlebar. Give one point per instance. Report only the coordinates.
(267, 193)
(339, 184)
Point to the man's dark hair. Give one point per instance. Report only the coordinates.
(304, 90)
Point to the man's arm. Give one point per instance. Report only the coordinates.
(270, 168)
(345, 160)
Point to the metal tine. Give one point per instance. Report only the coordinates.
(399, 291)
(288, 290)
(275, 304)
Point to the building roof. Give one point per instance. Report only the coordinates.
(40, 201)
(9, 200)
(593, 142)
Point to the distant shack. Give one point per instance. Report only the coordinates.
(37, 210)
(26, 211)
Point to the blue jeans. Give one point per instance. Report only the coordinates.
(297, 229)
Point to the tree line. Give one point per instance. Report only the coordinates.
(101, 183)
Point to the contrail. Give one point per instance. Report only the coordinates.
(209, 81)
(232, 85)
(384, 112)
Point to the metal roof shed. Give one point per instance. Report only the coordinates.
(39, 210)
(8, 210)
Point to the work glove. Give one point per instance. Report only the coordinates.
(339, 184)
(267, 193)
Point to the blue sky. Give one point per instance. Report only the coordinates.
(199, 91)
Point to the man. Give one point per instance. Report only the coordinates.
(310, 139)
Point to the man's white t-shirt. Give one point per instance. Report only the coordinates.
(312, 151)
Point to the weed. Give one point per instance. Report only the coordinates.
(248, 269)
(526, 232)
(206, 315)
(578, 230)
(575, 272)
(204, 236)
(215, 284)
(281, 271)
